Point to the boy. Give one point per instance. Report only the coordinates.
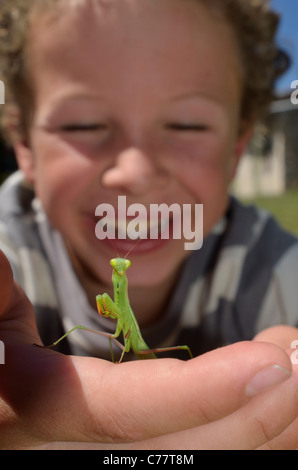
(149, 100)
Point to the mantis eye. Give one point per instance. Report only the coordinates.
(127, 263)
(113, 263)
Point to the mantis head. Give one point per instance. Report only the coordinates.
(120, 265)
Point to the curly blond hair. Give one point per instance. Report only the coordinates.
(254, 25)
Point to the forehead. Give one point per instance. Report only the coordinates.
(104, 41)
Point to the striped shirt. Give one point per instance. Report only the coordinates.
(243, 280)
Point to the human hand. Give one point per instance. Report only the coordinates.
(52, 401)
(283, 336)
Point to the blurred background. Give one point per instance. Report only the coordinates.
(268, 173)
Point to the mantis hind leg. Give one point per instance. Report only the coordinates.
(101, 333)
(171, 348)
(127, 346)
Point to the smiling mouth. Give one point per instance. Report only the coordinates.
(131, 230)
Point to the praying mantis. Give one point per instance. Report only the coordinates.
(120, 310)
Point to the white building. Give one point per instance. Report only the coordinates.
(270, 163)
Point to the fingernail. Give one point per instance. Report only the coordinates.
(267, 378)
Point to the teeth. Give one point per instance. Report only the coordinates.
(121, 226)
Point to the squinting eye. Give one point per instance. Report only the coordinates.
(82, 127)
(186, 127)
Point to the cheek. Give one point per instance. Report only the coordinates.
(62, 176)
(55, 182)
(205, 175)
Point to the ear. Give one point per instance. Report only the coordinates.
(245, 135)
(25, 159)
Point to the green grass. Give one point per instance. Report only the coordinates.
(284, 208)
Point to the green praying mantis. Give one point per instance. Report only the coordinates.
(120, 310)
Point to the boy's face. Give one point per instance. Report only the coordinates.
(135, 98)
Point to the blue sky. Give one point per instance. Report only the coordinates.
(288, 38)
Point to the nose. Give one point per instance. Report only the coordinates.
(134, 172)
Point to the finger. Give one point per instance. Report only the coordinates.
(16, 312)
(6, 282)
(205, 438)
(84, 399)
(266, 422)
(183, 395)
(261, 421)
(281, 335)
(287, 440)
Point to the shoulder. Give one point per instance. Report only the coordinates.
(19, 238)
(17, 217)
(17, 224)
(267, 285)
(264, 240)
(242, 280)
(16, 197)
